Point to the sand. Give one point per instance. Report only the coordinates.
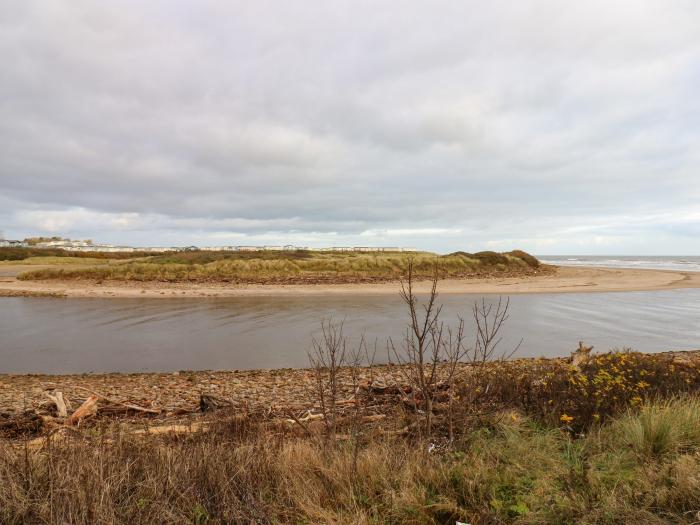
(562, 280)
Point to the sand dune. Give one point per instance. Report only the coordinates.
(564, 280)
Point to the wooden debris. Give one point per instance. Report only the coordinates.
(208, 403)
(581, 355)
(62, 405)
(14, 425)
(87, 409)
(120, 406)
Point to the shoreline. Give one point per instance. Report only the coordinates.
(565, 279)
(178, 393)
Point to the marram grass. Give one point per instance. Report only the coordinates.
(295, 267)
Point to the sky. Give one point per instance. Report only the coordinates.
(553, 127)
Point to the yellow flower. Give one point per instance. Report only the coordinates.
(642, 384)
(564, 418)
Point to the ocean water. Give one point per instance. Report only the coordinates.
(655, 262)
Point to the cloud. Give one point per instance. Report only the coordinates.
(541, 125)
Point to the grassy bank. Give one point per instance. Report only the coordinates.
(640, 467)
(614, 439)
(296, 267)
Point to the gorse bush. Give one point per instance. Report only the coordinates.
(555, 391)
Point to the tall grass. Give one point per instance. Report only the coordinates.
(662, 428)
(505, 470)
(295, 267)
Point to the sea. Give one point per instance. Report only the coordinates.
(653, 262)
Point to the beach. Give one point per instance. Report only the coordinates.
(563, 279)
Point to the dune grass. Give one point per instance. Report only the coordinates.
(296, 267)
(507, 469)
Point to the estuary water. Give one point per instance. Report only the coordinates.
(49, 335)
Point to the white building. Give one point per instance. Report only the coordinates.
(12, 244)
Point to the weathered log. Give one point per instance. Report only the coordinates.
(62, 405)
(87, 409)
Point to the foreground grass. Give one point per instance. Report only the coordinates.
(297, 267)
(640, 467)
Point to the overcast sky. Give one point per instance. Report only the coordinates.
(555, 127)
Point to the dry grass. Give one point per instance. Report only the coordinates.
(297, 267)
(24, 253)
(55, 261)
(506, 469)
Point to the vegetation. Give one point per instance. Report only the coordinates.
(613, 438)
(641, 467)
(53, 260)
(297, 267)
(23, 253)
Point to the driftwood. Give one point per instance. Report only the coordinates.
(208, 403)
(87, 409)
(581, 355)
(120, 406)
(62, 405)
(308, 417)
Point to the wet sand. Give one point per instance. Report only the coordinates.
(562, 280)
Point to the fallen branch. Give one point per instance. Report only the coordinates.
(87, 409)
(62, 405)
(127, 406)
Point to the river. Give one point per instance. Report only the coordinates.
(48, 335)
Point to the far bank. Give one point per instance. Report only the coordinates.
(559, 279)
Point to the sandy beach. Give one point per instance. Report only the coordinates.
(562, 280)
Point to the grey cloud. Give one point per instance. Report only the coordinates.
(470, 122)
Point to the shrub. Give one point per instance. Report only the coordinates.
(557, 392)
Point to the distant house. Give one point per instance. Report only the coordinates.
(7, 243)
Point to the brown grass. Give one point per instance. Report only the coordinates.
(506, 469)
(295, 267)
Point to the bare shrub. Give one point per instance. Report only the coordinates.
(430, 352)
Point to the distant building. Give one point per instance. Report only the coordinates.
(7, 243)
